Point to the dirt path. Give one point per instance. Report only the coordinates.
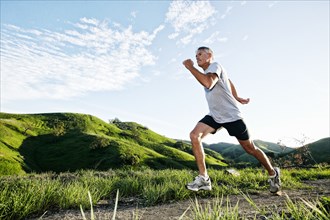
(176, 209)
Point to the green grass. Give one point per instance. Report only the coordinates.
(61, 142)
(33, 194)
(52, 161)
(221, 208)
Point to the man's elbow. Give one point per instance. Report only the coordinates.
(209, 86)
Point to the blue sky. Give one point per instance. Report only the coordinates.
(123, 59)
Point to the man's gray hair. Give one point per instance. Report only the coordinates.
(207, 50)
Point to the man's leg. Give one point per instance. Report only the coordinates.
(202, 181)
(274, 176)
(196, 136)
(250, 148)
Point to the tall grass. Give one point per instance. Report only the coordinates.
(217, 209)
(220, 209)
(34, 194)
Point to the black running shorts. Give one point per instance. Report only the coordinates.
(236, 128)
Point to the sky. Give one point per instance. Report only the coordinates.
(123, 59)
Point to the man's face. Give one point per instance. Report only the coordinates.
(202, 58)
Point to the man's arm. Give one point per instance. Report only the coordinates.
(207, 80)
(234, 92)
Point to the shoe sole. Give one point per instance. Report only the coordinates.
(276, 190)
(206, 188)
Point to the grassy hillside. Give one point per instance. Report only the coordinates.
(311, 154)
(67, 142)
(236, 154)
(320, 150)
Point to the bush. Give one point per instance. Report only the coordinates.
(130, 159)
(59, 128)
(100, 142)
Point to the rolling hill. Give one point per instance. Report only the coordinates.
(61, 142)
(236, 153)
(315, 153)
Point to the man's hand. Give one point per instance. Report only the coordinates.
(242, 100)
(188, 64)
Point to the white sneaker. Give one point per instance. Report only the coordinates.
(200, 183)
(275, 181)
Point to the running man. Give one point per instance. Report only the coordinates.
(222, 100)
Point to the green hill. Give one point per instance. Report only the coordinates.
(67, 142)
(320, 150)
(311, 154)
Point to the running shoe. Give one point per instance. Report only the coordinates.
(275, 181)
(200, 183)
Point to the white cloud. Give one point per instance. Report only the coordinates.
(91, 56)
(133, 14)
(92, 21)
(189, 18)
(186, 39)
(270, 5)
(173, 36)
(227, 12)
(161, 27)
(215, 37)
(245, 37)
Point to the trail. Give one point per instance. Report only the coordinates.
(130, 210)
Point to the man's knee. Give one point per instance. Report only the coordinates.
(194, 136)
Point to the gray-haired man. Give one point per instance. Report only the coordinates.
(222, 100)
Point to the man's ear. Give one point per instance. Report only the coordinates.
(209, 55)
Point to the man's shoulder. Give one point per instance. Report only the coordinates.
(215, 64)
(214, 67)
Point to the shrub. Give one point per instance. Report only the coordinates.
(130, 159)
(100, 142)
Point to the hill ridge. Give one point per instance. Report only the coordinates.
(61, 142)
(309, 154)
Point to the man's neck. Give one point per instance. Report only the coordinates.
(205, 66)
